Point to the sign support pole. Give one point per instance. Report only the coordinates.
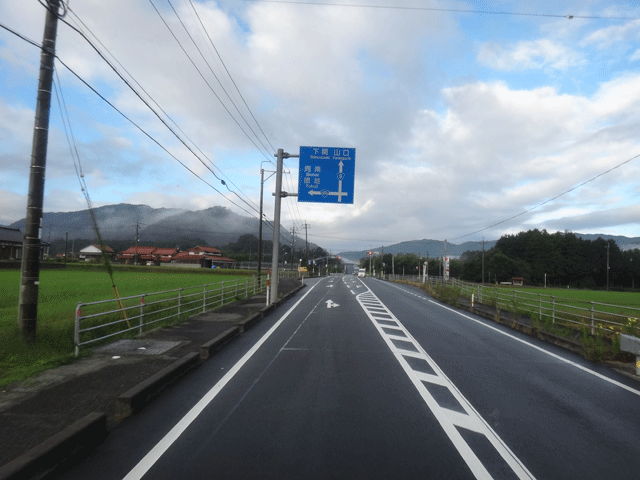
(276, 222)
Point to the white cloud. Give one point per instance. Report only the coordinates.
(606, 37)
(529, 55)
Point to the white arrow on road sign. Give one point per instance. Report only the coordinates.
(331, 304)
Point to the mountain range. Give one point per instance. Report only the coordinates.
(438, 248)
(216, 225)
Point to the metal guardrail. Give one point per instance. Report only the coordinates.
(97, 321)
(599, 316)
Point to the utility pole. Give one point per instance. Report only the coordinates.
(293, 242)
(482, 260)
(306, 241)
(260, 230)
(607, 265)
(30, 269)
(276, 223)
(66, 242)
(135, 261)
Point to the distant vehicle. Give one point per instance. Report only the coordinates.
(362, 272)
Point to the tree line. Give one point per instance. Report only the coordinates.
(559, 259)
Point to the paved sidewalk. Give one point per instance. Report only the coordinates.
(36, 409)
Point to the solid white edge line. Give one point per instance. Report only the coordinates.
(558, 357)
(163, 445)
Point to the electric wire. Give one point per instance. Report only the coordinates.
(231, 77)
(149, 136)
(26, 39)
(447, 10)
(205, 80)
(117, 72)
(549, 200)
(214, 74)
(78, 19)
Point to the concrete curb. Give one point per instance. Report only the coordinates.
(136, 398)
(249, 322)
(212, 346)
(80, 436)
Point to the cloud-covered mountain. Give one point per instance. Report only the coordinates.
(216, 225)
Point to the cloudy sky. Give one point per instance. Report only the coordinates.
(468, 117)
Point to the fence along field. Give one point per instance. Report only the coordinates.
(59, 293)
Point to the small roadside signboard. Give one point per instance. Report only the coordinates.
(327, 174)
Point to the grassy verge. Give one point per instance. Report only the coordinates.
(59, 293)
(602, 345)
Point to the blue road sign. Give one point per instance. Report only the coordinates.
(327, 174)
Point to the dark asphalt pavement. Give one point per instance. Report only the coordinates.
(353, 379)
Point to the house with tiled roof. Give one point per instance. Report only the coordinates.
(94, 253)
(144, 254)
(207, 257)
(164, 255)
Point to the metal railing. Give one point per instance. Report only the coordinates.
(557, 310)
(97, 321)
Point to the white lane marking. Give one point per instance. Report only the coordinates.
(558, 357)
(448, 419)
(163, 445)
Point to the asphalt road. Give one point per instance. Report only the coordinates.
(358, 378)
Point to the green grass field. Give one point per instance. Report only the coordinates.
(623, 299)
(59, 293)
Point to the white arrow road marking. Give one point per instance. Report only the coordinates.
(331, 304)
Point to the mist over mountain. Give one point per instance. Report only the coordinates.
(217, 225)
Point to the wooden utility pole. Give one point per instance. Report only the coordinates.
(30, 272)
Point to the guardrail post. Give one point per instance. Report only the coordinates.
(204, 298)
(540, 306)
(593, 330)
(141, 312)
(553, 309)
(76, 329)
(179, 301)
(236, 288)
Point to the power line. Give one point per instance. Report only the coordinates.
(550, 200)
(156, 114)
(206, 81)
(28, 40)
(232, 80)
(448, 10)
(213, 73)
(156, 103)
(148, 135)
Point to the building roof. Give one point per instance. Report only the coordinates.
(13, 235)
(165, 251)
(95, 249)
(223, 260)
(205, 249)
(139, 250)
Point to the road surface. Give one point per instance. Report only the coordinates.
(359, 378)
